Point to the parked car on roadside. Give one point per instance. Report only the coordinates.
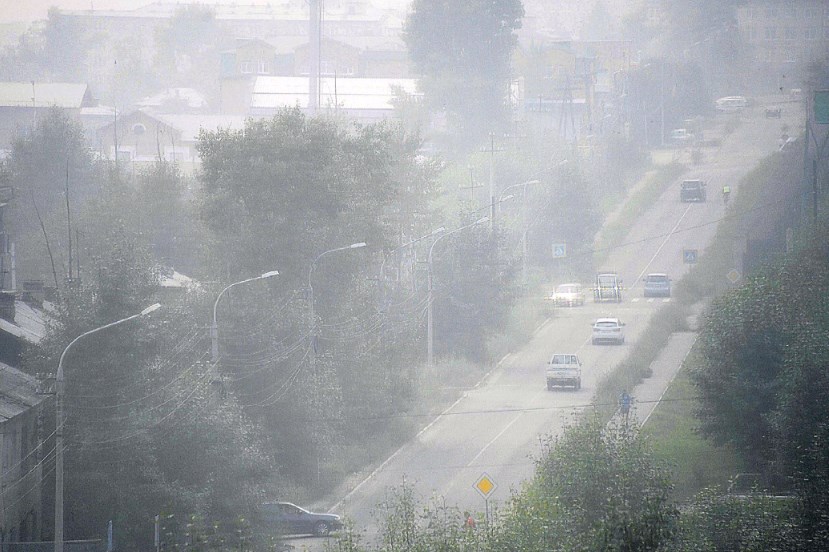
(568, 295)
(290, 519)
(608, 330)
(657, 284)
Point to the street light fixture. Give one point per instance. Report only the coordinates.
(429, 316)
(214, 328)
(312, 324)
(60, 421)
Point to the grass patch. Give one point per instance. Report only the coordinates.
(672, 429)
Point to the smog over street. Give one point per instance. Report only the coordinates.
(386, 275)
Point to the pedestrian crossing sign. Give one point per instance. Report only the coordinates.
(559, 250)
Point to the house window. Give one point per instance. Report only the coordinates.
(138, 129)
(263, 68)
(811, 33)
(770, 33)
(790, 34)
(247, 67)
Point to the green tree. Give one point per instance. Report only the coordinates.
(275, 197)
(611, 492)
(145, 430)
(42, 167)
(473, 291)
(462, 50)
(187, 51)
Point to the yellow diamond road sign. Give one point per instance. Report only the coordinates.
(733, 276)
(485, 485)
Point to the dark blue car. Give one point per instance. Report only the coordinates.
(290, 519)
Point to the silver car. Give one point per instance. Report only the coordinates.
(657, 284)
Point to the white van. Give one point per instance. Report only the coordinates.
(731, 103)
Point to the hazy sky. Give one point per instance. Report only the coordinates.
(29, 10)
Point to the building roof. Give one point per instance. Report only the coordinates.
(191, 124)
(345, 93)
(39, 94)
(18, 392)
(189, 97)
(29, 323)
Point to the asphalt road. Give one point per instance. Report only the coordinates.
(498, 427)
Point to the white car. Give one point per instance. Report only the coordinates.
(568, 295)
(608, 330)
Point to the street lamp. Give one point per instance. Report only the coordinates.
(429, 316)
(312, 337)
(311, 292)
(434, 232)
(60, 420)
(214, 328)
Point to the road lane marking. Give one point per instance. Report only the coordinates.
(509, 425)
(671, 233)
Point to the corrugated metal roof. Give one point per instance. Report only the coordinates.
(28, 323)
(346, 93)
(18, 392)
(25, 94)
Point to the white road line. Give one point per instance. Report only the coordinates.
(509, 425)
(671, 233)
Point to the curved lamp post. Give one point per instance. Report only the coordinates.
(60, 420)
(429, 325)
(312, 324)
(214, 328)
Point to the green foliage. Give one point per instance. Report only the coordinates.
(673, 430)
(756, 522)
(187, 48)
(42, 166)
(55, 51)
(473, 293)
(462, 50)
(612, 493)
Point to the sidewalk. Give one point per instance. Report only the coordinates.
(646, 395)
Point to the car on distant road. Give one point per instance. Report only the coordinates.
(731, 104)
(657, 284)
(290, 519)
(682, 136)
(773, 112)
(568, 295)
(608, 330)
(692, 190)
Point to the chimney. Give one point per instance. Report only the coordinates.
(7, 305)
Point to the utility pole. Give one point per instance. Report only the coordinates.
(314, 47)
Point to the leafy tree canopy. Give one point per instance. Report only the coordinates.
(463, 51)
